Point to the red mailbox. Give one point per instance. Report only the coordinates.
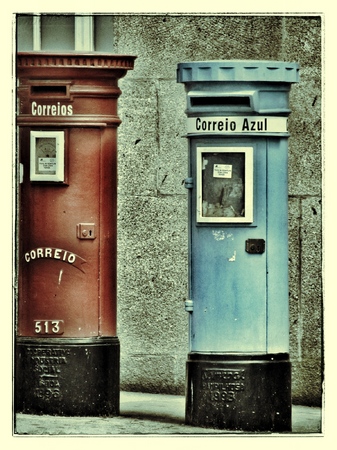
(67, 349)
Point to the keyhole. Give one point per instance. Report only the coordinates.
(90, 232)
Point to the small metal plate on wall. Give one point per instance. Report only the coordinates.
(255, 246)
(86, 231)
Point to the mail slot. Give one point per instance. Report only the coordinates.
(238, 367)
(67, 348)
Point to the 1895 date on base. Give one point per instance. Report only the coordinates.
(48, 327)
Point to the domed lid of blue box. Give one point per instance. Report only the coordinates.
(238, 70)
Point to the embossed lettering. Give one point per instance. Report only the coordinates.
(47, 364)
(223, 385)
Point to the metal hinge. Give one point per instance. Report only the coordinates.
(21, 173)
(188, 183)
(189, 305)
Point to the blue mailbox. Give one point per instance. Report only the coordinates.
(238, 368)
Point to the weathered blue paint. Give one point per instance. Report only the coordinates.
(240, 300)
(238, 367)
(277, 248)
(228, 285)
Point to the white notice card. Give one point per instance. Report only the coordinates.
(47, 165)
(222, 171)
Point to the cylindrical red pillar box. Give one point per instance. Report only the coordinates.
(67, 349)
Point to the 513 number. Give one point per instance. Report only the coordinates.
(48, 326)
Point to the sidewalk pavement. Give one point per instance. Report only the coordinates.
(146, 414)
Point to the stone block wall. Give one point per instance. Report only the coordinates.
(152, 218)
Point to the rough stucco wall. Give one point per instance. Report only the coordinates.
(152, 243)
(302, 42)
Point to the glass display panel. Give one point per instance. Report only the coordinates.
(24, 33)
(45, 161)
(104, 39)
(57, 32)
(225, 184)
(47, 156)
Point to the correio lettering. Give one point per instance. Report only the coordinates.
(46, 252)
(52, 110)
(215, 125)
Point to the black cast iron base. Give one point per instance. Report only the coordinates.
(67, 377)
(239, 392)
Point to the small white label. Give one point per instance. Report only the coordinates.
(222, 171)
(47, 165)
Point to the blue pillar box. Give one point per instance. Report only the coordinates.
(238, 368)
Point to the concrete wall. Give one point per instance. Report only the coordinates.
(152, 245)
